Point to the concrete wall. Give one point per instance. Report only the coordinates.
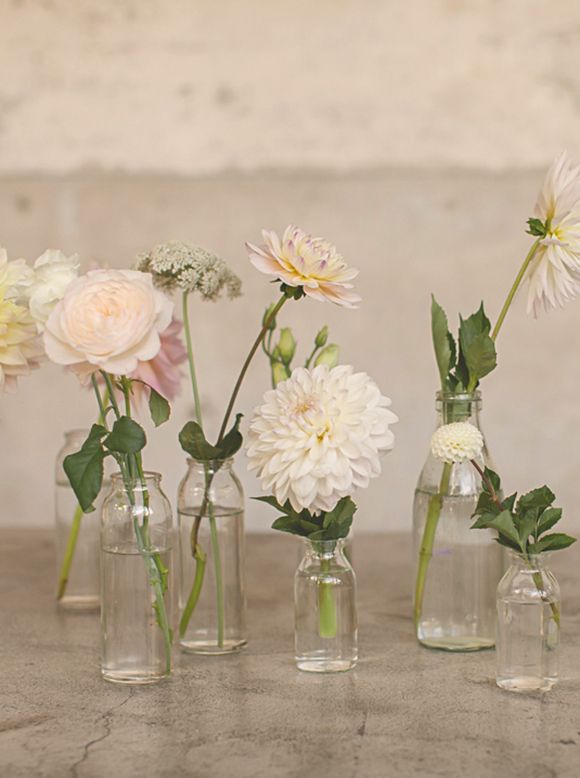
(412, 135)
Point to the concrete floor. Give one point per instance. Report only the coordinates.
(404, 711)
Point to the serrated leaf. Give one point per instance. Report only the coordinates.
(540, 498)
(126, 437)
(548, 518)
(441, 340)
(554, 542)
(159, 407)
(503, 541)
(193, 442)
(493, 478)
(484, 521)
(504, 524)
(233, 441)
(486, 504)
(84, 469)
(509, 502)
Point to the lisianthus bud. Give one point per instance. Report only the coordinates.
(279, 373)
(328, 356)
(287, 345)
(272, 323)
(321, 337)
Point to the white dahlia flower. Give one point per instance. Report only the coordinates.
(554, 273)
(311, 263)
(317, 437)
(457, 442)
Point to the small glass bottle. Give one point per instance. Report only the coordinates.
(212, 592)
(137, 536)
(325, 618)
(456, 569)
(528, 625)
(76, 536)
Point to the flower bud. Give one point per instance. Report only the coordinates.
(321, 337)
(267, 313)
(287, 345)
(328, 356)
(279, 373)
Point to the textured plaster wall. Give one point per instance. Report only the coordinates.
(412, 134)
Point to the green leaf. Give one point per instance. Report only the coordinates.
(295, 525)
(126, 437)
(484, 521)
(270, 500)
(193, 442)
(509, 502)
(526, 526)
(336, 523)
(536, 227)
(554, 542)
(493, 478)
(158, 407)
(540, 498)
(504, 524)
(477, 347)
(441, 340)
(232, 442)
(548, 518)
(486, 504)
(84, 469)
(503, 541)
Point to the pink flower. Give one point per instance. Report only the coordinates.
(311, 263)
(162, 372)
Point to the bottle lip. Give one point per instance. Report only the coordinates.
(212, 463)
(76, 433)
(442, 396)
(150, 475)
(324, 547)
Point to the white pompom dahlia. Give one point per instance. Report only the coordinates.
(317, 437)
(457, 442)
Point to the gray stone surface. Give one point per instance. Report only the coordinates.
(404, 711)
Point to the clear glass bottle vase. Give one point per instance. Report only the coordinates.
(528, 625)
(325, 617)
(137, 592)
(76, 537)
(456, 569)
(212, 592)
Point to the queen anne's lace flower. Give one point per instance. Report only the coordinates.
(317, 437)
(300, 260)
(20, 346)
(190, 269)
(457, 442)
(554, 273)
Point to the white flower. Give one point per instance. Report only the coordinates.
(554, 273)
(53, 272)
(311, 263)
(191, 269)
(108, 320)
(317, 437)
(20, 346)
(15, 278)
(457, 442)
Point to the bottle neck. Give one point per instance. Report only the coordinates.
(532, 563)
(458, 407)
(324, 549)
(210, 467)
(149, 482)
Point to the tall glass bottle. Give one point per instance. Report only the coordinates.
(212, 592)
(325, 618)
(137, 537)
(456, 569)
(76, 537)
(528, 625)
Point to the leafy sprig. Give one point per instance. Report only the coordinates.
(462, 363)
(522, 525)
(328, 525)
(194, 442)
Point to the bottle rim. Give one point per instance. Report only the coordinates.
(212, 463)
(445, 396)
(149, 475)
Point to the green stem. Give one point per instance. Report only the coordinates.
(219, 585)
(327, 621)
(515, 286)
(246, 365)
(311, 357)
(191, 361)
(426, 551)
(537, 578)
(200, 563)
(78, 514)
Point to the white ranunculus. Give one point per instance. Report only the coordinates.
(15, 278)
(317, 437)
(108, 320)
(53, 272)
(459, 441)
